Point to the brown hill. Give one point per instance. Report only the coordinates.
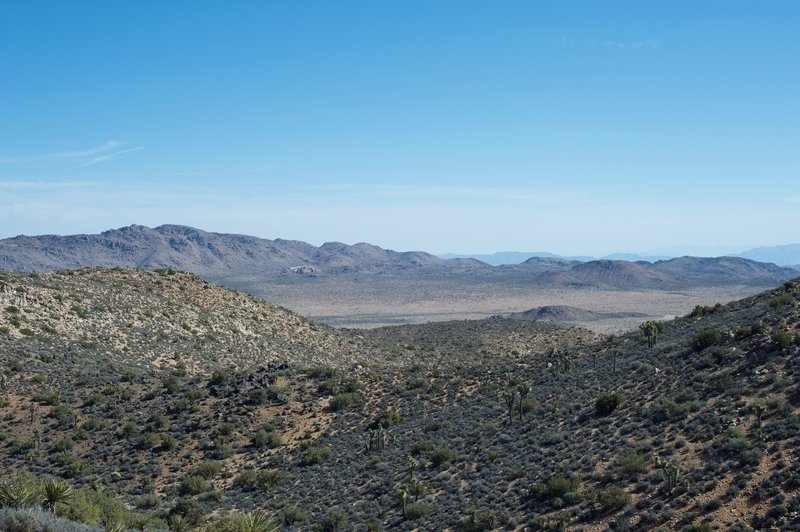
(156, 319)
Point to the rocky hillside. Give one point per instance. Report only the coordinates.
(241, 262)
(564, 314)
(485, 425)
(210, 255)
(157, 319)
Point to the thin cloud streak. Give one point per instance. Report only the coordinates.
(109, 156)
(40, 185)
(105, 152)
(632, 45)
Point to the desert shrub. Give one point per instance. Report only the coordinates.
(148, 501)
(742, 332)
(269, 478)
(258, 396)
(631, 463)
(335, 520)
(209, 469)
(192, 485)
(46, 398)
(388, 418)
(317, 455)
(480, 521)
(784, 298)
(442, 454)
(292, 515)
(704, 338)
(704, 310)
(321, 372)
(417, 510)
(148, 440)
(20, 491)
(528, 405)
(247, 480)
(607, 403)
(93, 507)
(37, 520)
(344, 400)
(189, 510)
(613, 499)
(264, 439)
(781, 339)
(560, 485)
(668, 409)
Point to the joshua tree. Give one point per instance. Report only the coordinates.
(402, 496)
(651, 329)
(509, 397)
(523, 390)
(413, 463)
(758, 409)
(671, 473)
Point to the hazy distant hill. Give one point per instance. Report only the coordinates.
(245, 262)
(697, 270)
(787, 255)
(501, 257)
(565, 314)
(205, 253)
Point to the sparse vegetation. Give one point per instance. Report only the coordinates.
(176, 438)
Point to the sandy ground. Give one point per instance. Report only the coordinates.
(374, 302)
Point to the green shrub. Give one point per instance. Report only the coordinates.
(269, 478)
(388, 418)
(20, 491)
(344, 400)
(292, 515)
(417, 510)
(781, 339)
(335, 520)
(247, 480)
(560, 485)
(703, 339)
(607, 403)
(209, 469)
(192, 485)
(317, 455)
(264, 439)
(632, 463)
(614, 499)
(442, 454)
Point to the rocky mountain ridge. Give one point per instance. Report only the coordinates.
(230, 259)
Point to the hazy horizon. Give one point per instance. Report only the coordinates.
(573, 128)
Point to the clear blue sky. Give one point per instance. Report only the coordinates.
(462, 126)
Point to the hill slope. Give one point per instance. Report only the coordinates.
(509, 424)
(152, 319)
(208, 254)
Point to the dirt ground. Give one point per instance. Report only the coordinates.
(373, 302)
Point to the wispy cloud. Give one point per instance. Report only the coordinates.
(41, 185)
(448, 194)
(110, 156)
(632, 45)
(264, 168)
(86, 157)
(794, 199)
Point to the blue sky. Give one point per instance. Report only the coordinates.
(463, 126)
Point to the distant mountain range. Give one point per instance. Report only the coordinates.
(237, 259)
(785, 255)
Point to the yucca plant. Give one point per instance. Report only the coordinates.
(55, 491)
(19, 493)
(178, 523)
(255, 522)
